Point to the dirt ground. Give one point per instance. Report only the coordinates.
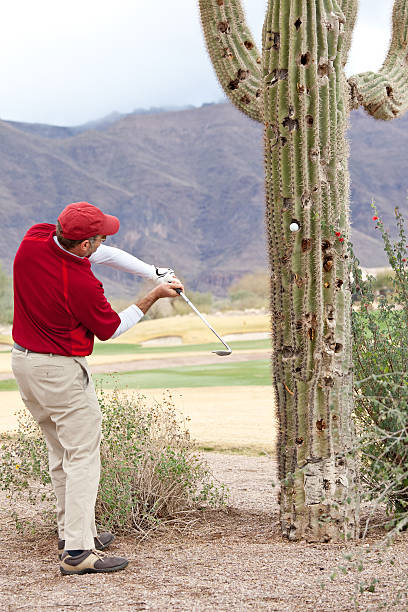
(229, 560)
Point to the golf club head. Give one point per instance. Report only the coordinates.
(219, 353)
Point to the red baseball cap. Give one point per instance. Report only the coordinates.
(82, 220)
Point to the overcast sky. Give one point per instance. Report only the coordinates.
(66, 63)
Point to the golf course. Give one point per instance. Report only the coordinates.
(228, 401)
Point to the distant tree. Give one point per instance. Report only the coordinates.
(6, 297)
(250, 291)
(384, 282)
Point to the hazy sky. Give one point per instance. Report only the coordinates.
(69, 62)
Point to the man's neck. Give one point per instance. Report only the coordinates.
(61, 247)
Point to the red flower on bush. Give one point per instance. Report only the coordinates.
(338, 234)
(375, 218)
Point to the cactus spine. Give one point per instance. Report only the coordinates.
(298, 89)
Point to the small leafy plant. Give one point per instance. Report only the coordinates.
(380, 329)
(151, 473)
(380, 334)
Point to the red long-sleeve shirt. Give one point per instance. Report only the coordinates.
(59, 305)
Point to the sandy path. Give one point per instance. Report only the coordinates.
(220, 417)
(189, 359)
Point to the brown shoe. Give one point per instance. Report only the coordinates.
(102, 541)
(90, 562)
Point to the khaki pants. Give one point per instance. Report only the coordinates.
(59, 393)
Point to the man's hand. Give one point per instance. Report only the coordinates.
(169, 289)
(165, 275)
(163, 290)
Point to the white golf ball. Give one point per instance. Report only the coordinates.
(294, 227)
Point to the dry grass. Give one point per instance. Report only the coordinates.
(5, 340)
(192, 330)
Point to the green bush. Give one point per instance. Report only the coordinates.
(380, 329)
(151, 473)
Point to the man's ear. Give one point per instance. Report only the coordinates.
(85, 244)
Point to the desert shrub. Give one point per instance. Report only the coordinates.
(381, 374)
(151, 473)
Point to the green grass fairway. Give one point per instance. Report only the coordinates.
(8, 385)
(223, 375)
(236, 374)
(110, 348)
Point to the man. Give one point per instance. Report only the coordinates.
(59, 306)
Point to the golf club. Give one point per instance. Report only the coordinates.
(220, 353)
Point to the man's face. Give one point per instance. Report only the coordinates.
(96, 244)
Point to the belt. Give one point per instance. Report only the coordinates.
(21, 348)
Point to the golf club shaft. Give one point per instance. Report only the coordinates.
(204, 320)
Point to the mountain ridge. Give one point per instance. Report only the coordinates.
(186, 184)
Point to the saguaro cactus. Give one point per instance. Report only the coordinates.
(298, 89)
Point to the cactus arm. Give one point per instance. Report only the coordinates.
(349, 9)
(384, 95)
(234, 54)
